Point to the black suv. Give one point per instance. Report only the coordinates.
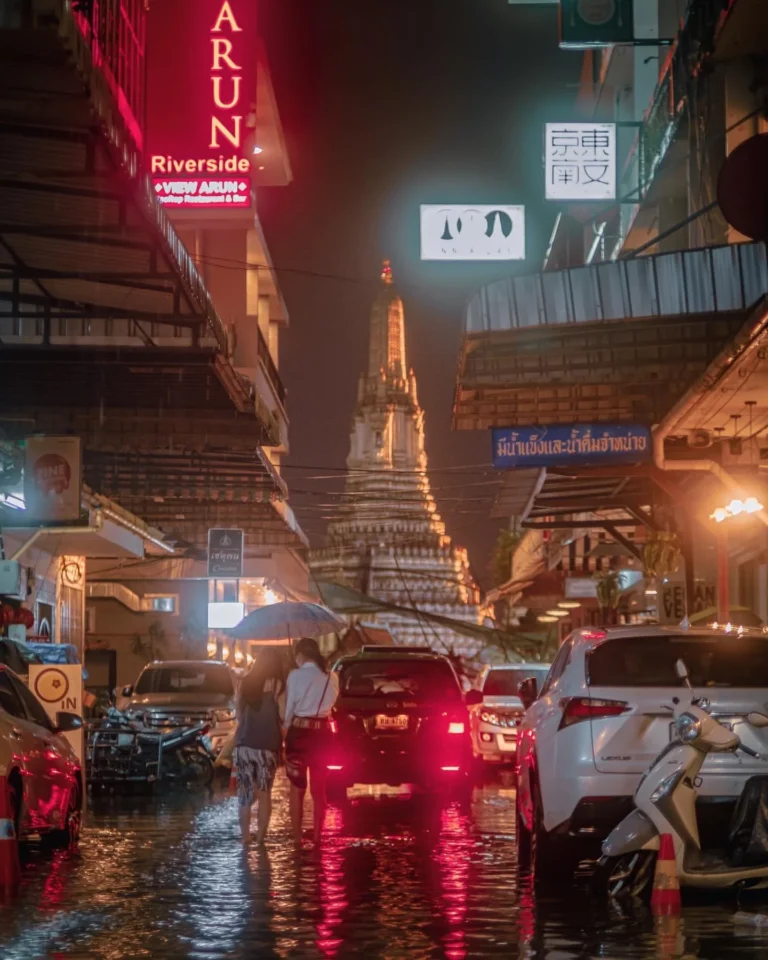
(400, 718)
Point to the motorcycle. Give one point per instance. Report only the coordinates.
(123, 749)
(665, 803)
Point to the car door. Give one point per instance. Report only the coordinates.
(27, 749)
(57, 760)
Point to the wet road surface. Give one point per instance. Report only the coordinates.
(392, 879)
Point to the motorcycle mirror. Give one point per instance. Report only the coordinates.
(757, 719)
(682, 671)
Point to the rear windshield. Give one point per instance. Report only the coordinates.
(202, 678)
(416, 680)
(718, 661)
(504, 683)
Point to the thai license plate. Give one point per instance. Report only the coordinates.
(384, 722)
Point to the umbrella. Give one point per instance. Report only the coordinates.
(290, 620)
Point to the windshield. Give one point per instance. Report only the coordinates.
(718, 661)
(417, 680)
(198, 678)
(504, 683)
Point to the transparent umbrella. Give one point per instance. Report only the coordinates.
(289, 620)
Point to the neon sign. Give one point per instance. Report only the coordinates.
(201, 93)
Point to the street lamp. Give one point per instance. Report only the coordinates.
(735, 508)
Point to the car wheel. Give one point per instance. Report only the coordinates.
(629, 875)
(545, 863)
(523, 836)
(14, 800)
(69, 834)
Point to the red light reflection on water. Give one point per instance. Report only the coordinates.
(453, 854)
(333, 894)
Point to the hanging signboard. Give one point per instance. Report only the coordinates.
(59, 688)
(580, 161)
(563, 445)
(225, 554)
(52, 479)
(596, 23)
(472, 232)
(201, 102)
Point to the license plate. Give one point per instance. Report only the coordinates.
(384, 722)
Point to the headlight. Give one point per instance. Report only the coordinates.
(224, 716)
(487, 717)
(688, 727)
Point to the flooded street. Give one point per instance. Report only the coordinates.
(392, 879)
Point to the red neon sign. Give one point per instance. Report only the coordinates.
(201, 101)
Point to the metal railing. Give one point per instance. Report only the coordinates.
(270, 370)
(712, 279)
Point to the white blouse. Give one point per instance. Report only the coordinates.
(304, 692)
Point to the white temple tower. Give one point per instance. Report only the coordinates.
(389, 541)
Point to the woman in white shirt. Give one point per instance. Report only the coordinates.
(311, 692)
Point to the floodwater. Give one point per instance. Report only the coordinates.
(158, 878)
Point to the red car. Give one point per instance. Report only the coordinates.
(39, 770)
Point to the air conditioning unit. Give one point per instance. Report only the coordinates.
(13, 580)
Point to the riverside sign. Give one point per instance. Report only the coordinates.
(201, 101)
(570, 445)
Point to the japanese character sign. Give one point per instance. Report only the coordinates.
(580, 161)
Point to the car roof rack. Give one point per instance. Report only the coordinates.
(389, 648)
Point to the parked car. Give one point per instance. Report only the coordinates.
(400, 718)
(596, 725)
(182, 693)
(494, 722)
(38, 767)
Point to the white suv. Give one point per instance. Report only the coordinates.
(494, 722)
(598, 723)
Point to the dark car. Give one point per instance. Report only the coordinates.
(400, 718)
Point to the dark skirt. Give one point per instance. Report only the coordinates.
(306, 749)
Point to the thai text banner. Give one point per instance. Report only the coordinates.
(560, 445)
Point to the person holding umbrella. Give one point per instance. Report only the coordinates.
(310, 696)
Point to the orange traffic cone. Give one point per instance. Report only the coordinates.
(10, 870)
(666, 887)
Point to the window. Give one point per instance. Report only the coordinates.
(424, 680)
(207, 678)
(9, 699)
(504, 682)
(34, 709)
(160, 604)
(716, 661)
(558, 666)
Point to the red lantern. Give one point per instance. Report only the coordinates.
(6, 614)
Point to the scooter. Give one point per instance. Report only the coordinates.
(665, 803)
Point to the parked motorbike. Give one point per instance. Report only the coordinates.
(122, 749)
(665, 802)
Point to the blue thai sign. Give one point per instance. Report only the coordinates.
(568, 445)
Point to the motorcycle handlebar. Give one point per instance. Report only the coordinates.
(749, 751)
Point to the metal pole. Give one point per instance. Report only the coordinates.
(723, 591)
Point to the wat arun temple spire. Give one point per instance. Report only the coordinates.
(389, 541)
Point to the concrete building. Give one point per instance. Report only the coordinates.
(388, 540)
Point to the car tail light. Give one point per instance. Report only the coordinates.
(576, 709)
(594, 634)
(334, 766)
(456, 727)
(450, 769)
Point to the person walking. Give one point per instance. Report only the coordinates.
(311, 693)
(258, 740)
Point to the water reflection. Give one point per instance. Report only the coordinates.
(392, 879)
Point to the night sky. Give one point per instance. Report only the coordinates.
(387, 105)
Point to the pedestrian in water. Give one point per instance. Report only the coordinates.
(311, 693)
(258, 739)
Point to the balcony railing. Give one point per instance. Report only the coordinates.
(712, 279)
(270, 370)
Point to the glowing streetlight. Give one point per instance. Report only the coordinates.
(735, 508)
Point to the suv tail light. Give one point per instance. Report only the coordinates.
(576, 709)
(455, 727)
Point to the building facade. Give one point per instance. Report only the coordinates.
(389, 541)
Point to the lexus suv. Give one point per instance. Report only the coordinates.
(599, 721)
(401, 718)
(181, 693)
(494, 722)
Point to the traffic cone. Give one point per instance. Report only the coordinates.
(10, 869)
(665, 899)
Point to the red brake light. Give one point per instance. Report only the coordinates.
(455, 727)
(594, 634)
(576, 709)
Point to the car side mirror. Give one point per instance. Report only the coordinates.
(473, 698)
(528, 691)
(66, 722)
(128, 691)
(757, 719)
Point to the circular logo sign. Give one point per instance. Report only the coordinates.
(596, 12)
(51, 685)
